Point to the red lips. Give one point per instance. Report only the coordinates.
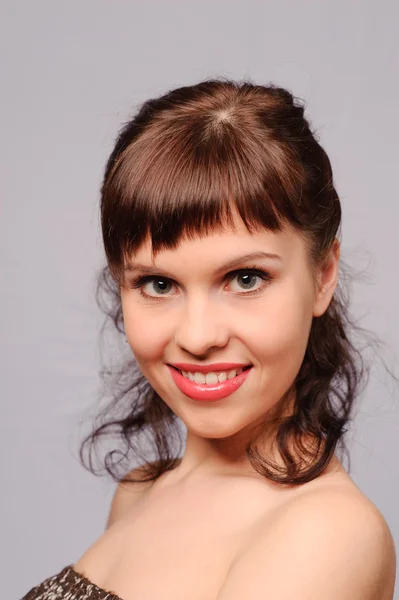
(207, 392)
(210, 367)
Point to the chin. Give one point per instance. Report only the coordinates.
(215, 431)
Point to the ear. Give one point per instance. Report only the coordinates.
(327, 280)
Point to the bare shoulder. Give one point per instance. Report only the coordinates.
(329, 542)
(127, 492)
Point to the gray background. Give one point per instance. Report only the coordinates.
(71, 74)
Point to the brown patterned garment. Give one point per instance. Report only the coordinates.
(68, 584)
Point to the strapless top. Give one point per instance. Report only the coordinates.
(68, 584)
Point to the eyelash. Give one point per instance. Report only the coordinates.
(139, 281)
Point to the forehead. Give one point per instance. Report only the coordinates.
(219, 247)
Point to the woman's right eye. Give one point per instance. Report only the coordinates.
(151, 286)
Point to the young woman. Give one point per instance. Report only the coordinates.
(220, 223)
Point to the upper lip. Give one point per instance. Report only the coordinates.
(208, 368)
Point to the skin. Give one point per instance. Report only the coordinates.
(213, 528)
(202, 319)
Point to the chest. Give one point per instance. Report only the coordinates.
(178, 544)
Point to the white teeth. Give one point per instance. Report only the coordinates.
(211, 378)
(199, 378)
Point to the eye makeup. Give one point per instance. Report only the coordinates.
(139, 281)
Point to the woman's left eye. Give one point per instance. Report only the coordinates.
(249, 280)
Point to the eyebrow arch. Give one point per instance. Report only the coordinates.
(231, 264)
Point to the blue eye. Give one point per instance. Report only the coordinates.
(248, 278)
(161, 286)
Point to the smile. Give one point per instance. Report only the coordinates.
(210, 386)
(212, 377)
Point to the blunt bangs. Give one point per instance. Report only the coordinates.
(188, 172)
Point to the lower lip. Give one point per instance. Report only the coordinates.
(205, 392)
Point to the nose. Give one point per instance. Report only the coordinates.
(201, 327)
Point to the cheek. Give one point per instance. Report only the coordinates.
(146, 334)
(279, 332)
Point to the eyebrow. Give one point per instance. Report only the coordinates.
(231, 264)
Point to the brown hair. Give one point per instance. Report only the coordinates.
(179, 168)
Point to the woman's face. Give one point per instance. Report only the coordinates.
(196, 308)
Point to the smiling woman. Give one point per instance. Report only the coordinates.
(258, 316)
(220, 223)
